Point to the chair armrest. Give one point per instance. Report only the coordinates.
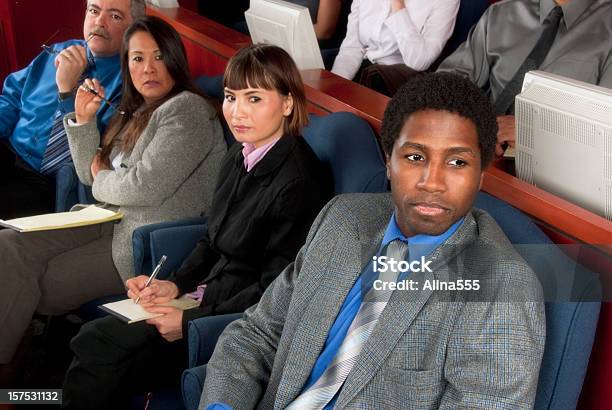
(202, 335)
(570, 333)
(192, 383)
(145, 260)
(69, 190)
(66, 182)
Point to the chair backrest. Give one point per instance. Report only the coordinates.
(570, 326)
(348, 146)
(212, 86)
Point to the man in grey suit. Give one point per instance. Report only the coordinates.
(466, 330)
(570, 38)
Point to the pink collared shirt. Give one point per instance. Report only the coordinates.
(253, 155)
(198, 294)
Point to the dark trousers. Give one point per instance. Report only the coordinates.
(385, 79)
(115, 361)
(23, 191)
(51, 272)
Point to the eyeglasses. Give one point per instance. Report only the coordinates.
(49, 50)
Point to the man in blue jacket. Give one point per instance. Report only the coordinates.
(33, 143)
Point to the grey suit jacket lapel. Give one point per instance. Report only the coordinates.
(322, 308)
(400, 313)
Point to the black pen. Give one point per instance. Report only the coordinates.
(94, 92)
(153, 275)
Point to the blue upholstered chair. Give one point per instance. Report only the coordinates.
(69, 190)
(570, 326)
(201, 340)
(211, 86)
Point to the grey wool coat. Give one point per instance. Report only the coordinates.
(426, 352)
(170, 173)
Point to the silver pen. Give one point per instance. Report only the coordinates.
(153, 275)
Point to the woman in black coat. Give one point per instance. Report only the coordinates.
(270, 188)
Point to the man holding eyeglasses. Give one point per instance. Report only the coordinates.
(33, 143)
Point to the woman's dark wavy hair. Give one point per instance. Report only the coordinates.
(137, 114)
(271, 68)
(443, 92)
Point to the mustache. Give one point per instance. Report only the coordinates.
(99, 31)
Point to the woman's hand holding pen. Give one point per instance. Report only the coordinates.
(158, 292)
(170, 325)
(86, 104)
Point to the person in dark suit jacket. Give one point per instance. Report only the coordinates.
(269, 191)
(325, 335)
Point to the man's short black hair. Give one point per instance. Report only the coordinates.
(443, 92)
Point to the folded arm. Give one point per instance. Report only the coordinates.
(420, 47)
(327, 18)
(351, 52)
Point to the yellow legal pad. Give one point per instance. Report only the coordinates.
(90, 215)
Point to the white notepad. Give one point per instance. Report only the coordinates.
(90, 215)
(130, 312)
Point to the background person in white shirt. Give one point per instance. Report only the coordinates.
(394, 39)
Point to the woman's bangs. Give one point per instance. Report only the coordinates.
(247, 73)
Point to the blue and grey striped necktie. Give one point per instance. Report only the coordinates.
(325, 388)
(57, 152)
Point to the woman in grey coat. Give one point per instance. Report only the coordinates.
(159, 161)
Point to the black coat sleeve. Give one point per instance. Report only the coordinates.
(294, 211)
(196, 267)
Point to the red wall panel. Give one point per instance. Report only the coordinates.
(8, 60)
(36, 21)
(26, 24)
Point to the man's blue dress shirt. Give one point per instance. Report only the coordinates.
(418, 245)
(29, 101)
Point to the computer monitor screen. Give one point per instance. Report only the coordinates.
(564, 139)
(288, 26)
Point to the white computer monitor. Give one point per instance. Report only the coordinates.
(288, 26)
(164, 4)
(564, 139)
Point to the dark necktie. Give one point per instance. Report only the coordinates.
(505, 102)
